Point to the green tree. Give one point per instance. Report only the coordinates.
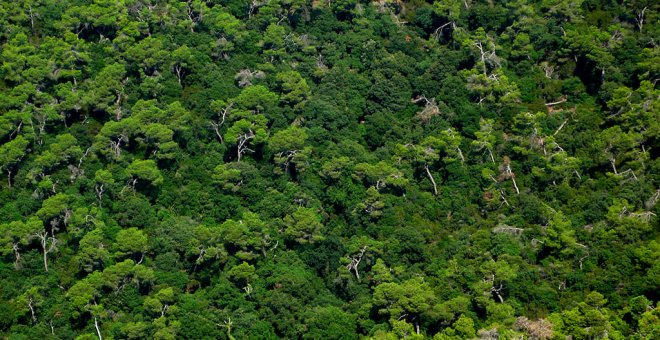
(11, 153)
(329, 322)
(411, 300)
(182, 62)
(93, 251)
(304, 226)
(294, 88)
(380, 174)
(106, 92)
(30, 301)
(243, 133)
(145, 170)
(17, 235)
(289, 148)
(131, 242)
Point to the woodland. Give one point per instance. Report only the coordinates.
(347, 169)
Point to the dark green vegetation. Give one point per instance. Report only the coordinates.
(329, 170)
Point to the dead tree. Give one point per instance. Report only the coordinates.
(582, 258)
(48, 245)
(507, 173)
(495, 290)
(560, 127)
(243, 141)
(287, 156)
(254, 5)
(428, 173)
(77, 171)
(320, 63)
(245, 77)
(115, 146)
(223, 117)
(650, 203)
(639, 18)
(562, 100)
(355, 262)
(17, 255)
(502, 196)
(505, 229)
(430, 110)
(121, 97)
(540, 329)
(130, 184)
(16, 131)
(504, 201)
(438, 31)
(643, 216)
(179, 71)
(96, 326)
(248, 290)
(30, 301)
(487, 56)
(99, 193)
(194, 17)
(482, 55)
(548, 69)
(624, 174)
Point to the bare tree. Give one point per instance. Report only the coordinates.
(355, 262)
(548, 69)
(639, 18)
(195, 17)
(487, 55)
(243, 141)
(496, 291)
(96, 326)
(254, 5)
(178, 70)
(562, 100)
(48, 244)
(115, 146)
(507, 173)
(228, 324)
(428, 173)
(584, 256)
(30, 302)
(506, 229)
(223, 117)
(540, 329)
(17, 255)
(430, 110)
(245, 77)
(99, 193)
(438, 31)
(121, 97)
(650, 203)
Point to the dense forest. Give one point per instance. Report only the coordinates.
(261, 169)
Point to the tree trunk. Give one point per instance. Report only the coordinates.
(428, 172)
(98, 331)
(34, 317)
(515, 186)
(45, 257)
(17, 254)
(613, 161)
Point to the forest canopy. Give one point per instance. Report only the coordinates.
(234, 169)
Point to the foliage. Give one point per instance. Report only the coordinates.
(448, 169)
